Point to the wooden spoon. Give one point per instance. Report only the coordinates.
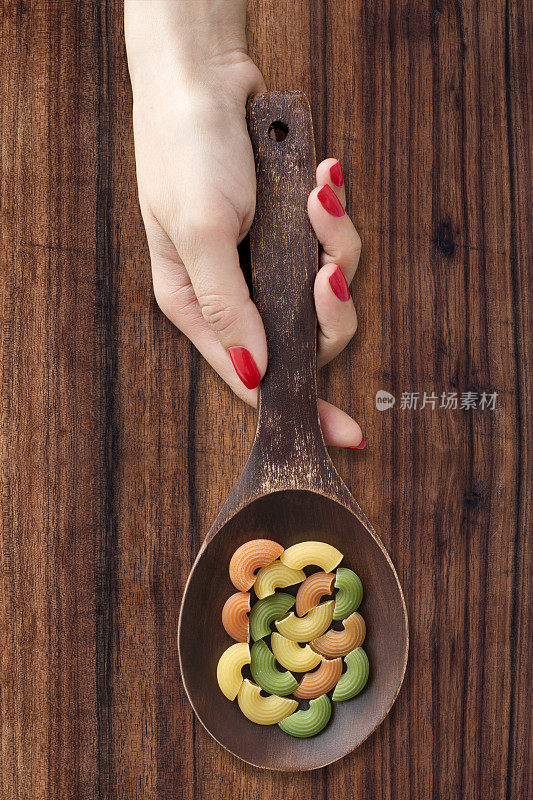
(289, 489)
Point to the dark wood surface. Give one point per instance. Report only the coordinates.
(119, 445)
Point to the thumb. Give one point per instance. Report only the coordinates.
(224, 299)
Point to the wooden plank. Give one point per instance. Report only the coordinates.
(119, 445)
(51, 401)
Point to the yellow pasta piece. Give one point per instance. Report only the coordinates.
(293, 656)
(276, 576)
(321, 554)
(229, 668)
(263, 710)
(303, 629)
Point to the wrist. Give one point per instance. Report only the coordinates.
(189, 44)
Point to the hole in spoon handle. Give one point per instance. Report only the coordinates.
(284, 261)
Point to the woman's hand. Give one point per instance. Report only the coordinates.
(191, 78)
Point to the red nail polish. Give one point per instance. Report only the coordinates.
(330, 201)
(337, 281)
(360, 446)
(336, 175)
(245, 366)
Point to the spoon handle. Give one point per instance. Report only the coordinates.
(284, 261)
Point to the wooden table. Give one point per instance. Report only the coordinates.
(119, 444)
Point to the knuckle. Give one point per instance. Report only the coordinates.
(352, 329)
(192, 227)
(175, 301)
(165, 306)
(354, 249)
(160, 299)
(218, 311)
(195, 226)
(341, 334)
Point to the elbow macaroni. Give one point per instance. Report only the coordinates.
(263, 710)
(320, 554)
(350, 593)
(249, 557)
(354, 679)
(335, 644)
(303, 629)
(266, 611)
(229, 668)
(276, 576)
(267, 675)
(293, 656)
(235, 616)
(303, 642)
(312, 590)
(322, 680)
(309, 722)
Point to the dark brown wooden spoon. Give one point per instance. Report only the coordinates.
(289, 489)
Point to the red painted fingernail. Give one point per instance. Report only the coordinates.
(335, 173)
(330, 201)
(360, 446)
(245, 366)
(337, 281)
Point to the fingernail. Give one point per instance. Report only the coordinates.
(337, 281)
(330, 201)
(360, 446)
(335, 173)
(245, 366)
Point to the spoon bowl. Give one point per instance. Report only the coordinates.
(289, 490)
(288, 517)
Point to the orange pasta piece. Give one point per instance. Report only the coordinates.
(312, 590)
(235, 616)
(336, 644)
(314, 684)
(249, 557)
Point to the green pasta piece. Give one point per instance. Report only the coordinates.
(266, 611)
(349, 595)
(355, 677)
(267, 675)
(310, 721)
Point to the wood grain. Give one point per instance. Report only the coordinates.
(119, 445)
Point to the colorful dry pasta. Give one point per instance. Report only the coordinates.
(354, 679)
(350, 593)
(229, 669)
(250, 557)
(267, 611)
(292, 655)
(276, 576)
(319, 554)
(263, 710)
(235, 616)
(265, 673)
(321, 681)
(296, 655)
(335, 644)
(304, 629)
(308, 722)
(312, 590)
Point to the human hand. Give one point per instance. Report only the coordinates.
(197, 190)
